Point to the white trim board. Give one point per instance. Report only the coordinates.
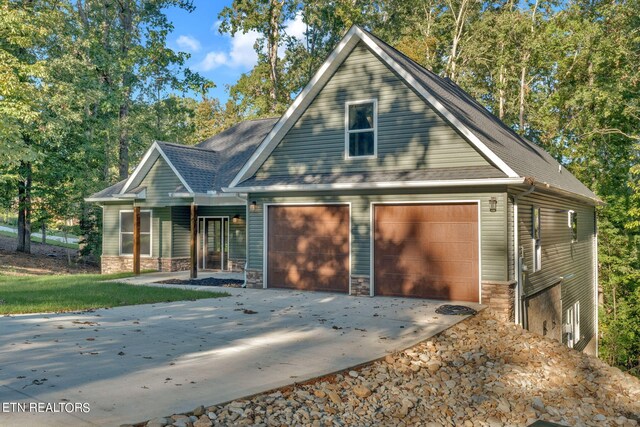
(326, 71)
(382, 184)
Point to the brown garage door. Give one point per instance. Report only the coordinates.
(308, 247)
(426, 251)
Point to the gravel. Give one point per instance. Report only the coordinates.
(481, 372)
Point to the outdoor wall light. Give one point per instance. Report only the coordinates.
(235, 219)
(493, 204)
(253, 206)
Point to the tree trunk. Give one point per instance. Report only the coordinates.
(44, 232)
(523, 89)
(126, 21)
(275, 11)
(123, 141)
(24, 209)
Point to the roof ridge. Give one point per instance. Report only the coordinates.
(468, 97)
(173, 144)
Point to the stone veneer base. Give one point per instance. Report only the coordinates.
(499, 296)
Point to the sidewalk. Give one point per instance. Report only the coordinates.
(39, 235)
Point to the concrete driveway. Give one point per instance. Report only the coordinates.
(139, 362)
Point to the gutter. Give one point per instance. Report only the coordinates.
(517, 260)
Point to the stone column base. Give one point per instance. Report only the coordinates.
(175, 264)
(254, 279)
(360, 285)
(236, 264)
(499, 296)
(121, 264)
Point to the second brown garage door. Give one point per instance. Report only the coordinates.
(308, 247)
(426, 251)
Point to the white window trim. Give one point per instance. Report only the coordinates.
(126, 232)
(537, 243)
(347, 132)
(572, 327)
(570, 215)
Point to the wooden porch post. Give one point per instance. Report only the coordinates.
(192, 247)
(136, 240)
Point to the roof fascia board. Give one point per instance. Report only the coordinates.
(378, 185)
(298, 106)
(437, 105)
(141, 166)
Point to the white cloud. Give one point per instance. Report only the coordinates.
(240, 55)
(242, 52)
(188, 43)
(212, 60)
(296, 27)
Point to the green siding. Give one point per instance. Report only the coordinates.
(160, 181)
(180, 221)
(160, 222)
(560, 256)
(493, 224)
(410, 134)
(181, 227)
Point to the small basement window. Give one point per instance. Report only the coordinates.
(537, 239)
(573, 225)
(361, 126)
(126, 233)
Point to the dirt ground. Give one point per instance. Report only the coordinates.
(44, 259)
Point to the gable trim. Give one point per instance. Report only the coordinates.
(323, 74)
(141, 166)
(471, 137)
(280, 129)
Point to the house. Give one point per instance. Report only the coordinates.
(381, 179)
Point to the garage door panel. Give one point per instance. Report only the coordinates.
(427, 250)
(308, 247)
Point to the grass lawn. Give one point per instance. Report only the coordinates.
(39, 240)
(39, 294)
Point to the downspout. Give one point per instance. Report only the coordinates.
(517, 261)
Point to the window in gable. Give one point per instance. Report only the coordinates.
(126, 233)
(361, 127)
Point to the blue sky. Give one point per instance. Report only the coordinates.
(220, 58)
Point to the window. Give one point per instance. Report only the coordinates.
(126, 233)
(572, 325)
(537, 240)
(573, 225)
(361, 119)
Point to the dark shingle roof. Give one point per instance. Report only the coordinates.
(235, 145)
(524, 157)
(213, 163)
(109, 191)
(477, 172)
(196, 165)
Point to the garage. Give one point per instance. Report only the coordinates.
(427, 251)
(308, 247)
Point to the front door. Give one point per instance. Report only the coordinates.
(213, 243)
